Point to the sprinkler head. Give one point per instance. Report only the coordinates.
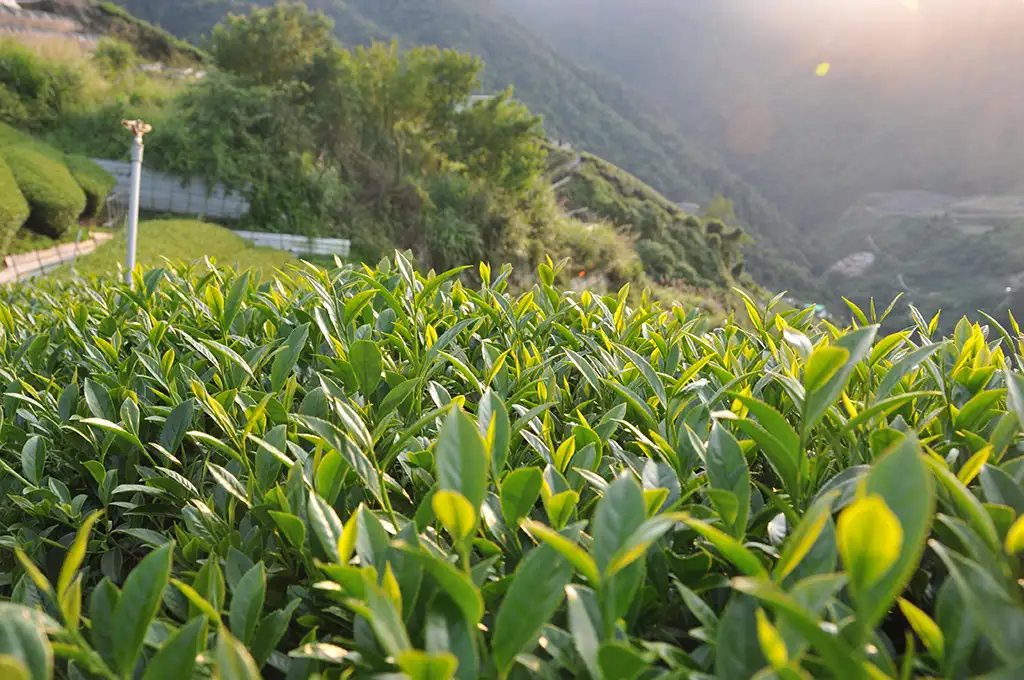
(137, 127)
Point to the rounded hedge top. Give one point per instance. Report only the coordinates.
(14, 209)
(55, 197)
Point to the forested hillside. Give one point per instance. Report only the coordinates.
(594, 111)
(386, 148)
(921, 95)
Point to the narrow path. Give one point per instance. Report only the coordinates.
(570, 171)
(27, 265)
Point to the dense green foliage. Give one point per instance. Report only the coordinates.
(59, 188)
(594, 111)
(33, 91)
(51, 191)
(96, 182)
(14, 209)
(75, 99)
(674, 247)
(358, 472)
(373, 144)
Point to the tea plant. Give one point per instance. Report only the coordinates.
(362, 473)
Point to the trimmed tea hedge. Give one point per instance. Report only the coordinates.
(96, 182)
(14, 208)
(367, 473)
(48, 186)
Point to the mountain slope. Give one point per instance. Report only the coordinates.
(592, 110)
(922, 95)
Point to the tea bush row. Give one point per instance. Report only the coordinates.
(373, 473)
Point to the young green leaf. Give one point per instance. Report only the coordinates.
(902, 481)
(457, 515)
(580, 560)
(586, 626)
(869, 537)
(822, 365)
(98, 400)
(33, 459)
(461, 458)
(727, 471)
(367, 363)
(176, 657)
(495, 428)
(178, 422)
(138, 604)
(620, 512)
(519, 493)
(22, 639)
(291, 527)
(233, 660)
(925, 628)
(287, 357)
(419, 665)
(536, 592)
(247, 603)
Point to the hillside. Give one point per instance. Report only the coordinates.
(592, 110)
(386, 148)
(107, 19)
(741, 74)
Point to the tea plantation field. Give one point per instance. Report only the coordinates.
(358, 473)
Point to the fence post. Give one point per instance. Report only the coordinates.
(138, 129)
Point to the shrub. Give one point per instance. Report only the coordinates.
(114, 57)
(14, 208)
(96, 182)
(45, 88)
(53, 194)
(599, 248)
(449, 478)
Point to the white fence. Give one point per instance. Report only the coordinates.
(300, 245)
(162, 192)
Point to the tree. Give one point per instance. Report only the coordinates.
(499, 140)
(722, 209)
(271, 45)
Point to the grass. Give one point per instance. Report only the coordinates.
(25, 240)
(184, 240)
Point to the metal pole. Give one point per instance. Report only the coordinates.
(138, 129)
(133, 207)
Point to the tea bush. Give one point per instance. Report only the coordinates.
(373, 473)
(13, 207)
(96, 182)
(51, 190)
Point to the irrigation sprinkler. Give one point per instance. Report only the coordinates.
(138, 129)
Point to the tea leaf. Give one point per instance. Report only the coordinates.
(869, 537)
(367, 363)
(176, 657)
(461, 459)
(536, 591)
(138, 604)
(247, 603)
(22, 640)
